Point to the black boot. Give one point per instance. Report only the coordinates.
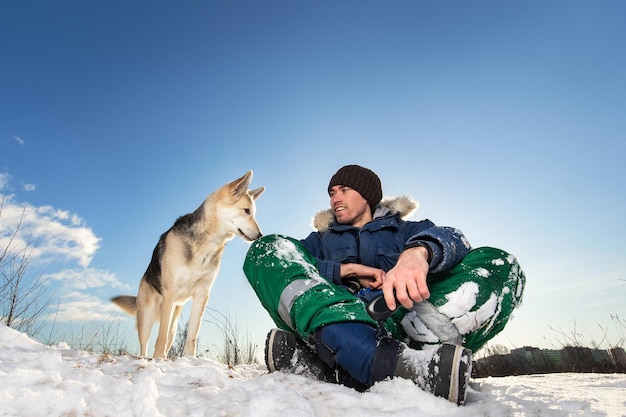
(285, 352)
(443, 371)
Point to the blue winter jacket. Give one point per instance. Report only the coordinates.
(379, 243)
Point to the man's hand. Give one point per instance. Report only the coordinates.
(408, 279)
(367, 276)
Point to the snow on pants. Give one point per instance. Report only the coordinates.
(478, 295)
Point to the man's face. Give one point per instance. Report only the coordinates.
(348, 206)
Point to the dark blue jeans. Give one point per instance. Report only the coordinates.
(359, 349)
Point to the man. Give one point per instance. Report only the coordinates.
(446, 300)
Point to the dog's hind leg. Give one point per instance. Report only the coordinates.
(145, 321)
(167, 314)
(198, 305)
(148, 304)
(171, 335)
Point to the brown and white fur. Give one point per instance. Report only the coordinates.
(185, 264)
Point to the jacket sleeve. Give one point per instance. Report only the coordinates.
(328, 269)
(447, 245)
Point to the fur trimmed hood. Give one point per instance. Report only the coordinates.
(403, 206)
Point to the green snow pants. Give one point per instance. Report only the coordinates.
(478, 295)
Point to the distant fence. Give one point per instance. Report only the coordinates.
(529, 360)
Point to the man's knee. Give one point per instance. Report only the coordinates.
(266, 246)
(505, 269)
(271, 255)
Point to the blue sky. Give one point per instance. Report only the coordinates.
(505, 120)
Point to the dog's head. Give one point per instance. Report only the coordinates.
(238, 209)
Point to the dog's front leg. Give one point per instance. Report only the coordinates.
(198, 305)
(167, 313)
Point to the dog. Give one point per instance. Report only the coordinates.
(185, 263)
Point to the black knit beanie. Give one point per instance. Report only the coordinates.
(362, 180)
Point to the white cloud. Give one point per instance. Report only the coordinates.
(4, 180)
(30, 187)
(57, 234)
(87, 278)
(19, 140)
(80, 307)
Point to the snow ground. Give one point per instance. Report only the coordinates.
(36, 380)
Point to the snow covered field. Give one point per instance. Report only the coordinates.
(36, 380)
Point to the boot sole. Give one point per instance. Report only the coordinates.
(453, 385)
(269, 351)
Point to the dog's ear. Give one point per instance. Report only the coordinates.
(240, 185)
(256, 193)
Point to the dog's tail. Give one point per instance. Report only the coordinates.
(128, 303)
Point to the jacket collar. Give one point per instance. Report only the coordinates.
(402, 207)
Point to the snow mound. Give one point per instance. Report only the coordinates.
(37, 380)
